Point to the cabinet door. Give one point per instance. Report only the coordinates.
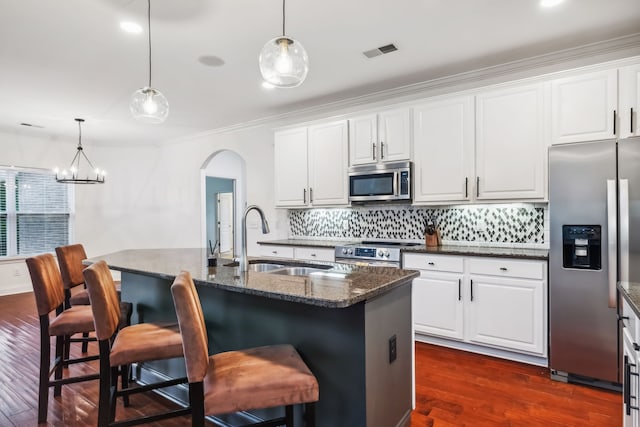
(438, 306)
(394, 135)
(314, 254)
(276, 251)
(629, 101)
(291, 167)
(582, 107)
(510, 147)
(507, 313)
(443, 150)
(630, 389)
(363, 140)
(328, 164)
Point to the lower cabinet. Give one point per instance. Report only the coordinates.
(306, 253)
(630, 368)
(493, 303)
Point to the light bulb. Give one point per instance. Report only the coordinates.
(149, 105)
(283, 62)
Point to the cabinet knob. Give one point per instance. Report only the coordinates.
(503, 268)
(274, 252)
(313, 255)
(431, 263)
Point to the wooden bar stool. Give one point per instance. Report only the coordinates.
(121, 348)
(233, 381)
(49, 293)
(70, 259)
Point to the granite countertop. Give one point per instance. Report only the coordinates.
(336, 287)
(630, 291)
(485, 251)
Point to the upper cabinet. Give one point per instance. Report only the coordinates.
(443, 149)
(510, 147)
(381, 137)
(311, 165)
(498, 154)
(583, 107)
(629, 101)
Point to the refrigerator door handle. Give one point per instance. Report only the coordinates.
(612, 225)
(624, 230)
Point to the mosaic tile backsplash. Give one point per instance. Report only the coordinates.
(502, 224)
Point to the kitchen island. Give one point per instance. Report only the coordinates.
(351, 325)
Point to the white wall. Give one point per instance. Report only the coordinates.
(152, 197)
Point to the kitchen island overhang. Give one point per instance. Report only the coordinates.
(343, 322)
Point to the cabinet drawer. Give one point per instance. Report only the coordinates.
(314, 254)
(527, 269)
(276, 251)
(428, 262)
(629, 320)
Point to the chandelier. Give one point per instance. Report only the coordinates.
(81, 170)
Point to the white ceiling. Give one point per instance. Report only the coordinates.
(61, 59)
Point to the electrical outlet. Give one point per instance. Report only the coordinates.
(393, 349)
(345, 224)
(482, 225)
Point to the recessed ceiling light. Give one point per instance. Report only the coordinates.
(550, 3)
(130, 27)
(267, 85)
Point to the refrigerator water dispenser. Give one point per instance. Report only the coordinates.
(582, 247)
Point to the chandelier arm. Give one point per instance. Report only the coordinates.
(88, 161)
(149, 31)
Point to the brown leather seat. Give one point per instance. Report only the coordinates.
(232, 381)
(120, 348)
(49, 294)
(70, 259)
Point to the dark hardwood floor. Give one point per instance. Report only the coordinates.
(453, 388)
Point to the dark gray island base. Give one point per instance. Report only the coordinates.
(341, 320)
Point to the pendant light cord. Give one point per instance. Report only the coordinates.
(283, 19)
(149, 23)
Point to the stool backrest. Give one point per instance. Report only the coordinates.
(70, 259)
(47, 283)
(192, 326)
(104, 299)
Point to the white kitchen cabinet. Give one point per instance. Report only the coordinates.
(306, 253)
(381, 137)
(510, 143)
(481, 303)
(443, 150)
(291, 167)
(276, 251)
(583, 107)
(629, 93)
(328, 160)
(630, 367)
(311, 165)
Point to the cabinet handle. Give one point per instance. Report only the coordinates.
(622, 318)
(631, 121)
(310, 195)
(466, 187)
(614, 122)
(313, 255)
(459, 289)
(503, 268)
(374, 150)
(304, 196)
(381, 150)
(471, 287)
(274, 252)
(431, 263)
(626, 386)
(477, 186)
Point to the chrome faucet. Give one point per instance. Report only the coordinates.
(244, 262)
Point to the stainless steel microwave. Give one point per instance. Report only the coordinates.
(380, 183)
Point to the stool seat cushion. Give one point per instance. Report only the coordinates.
(146, 341)
(72, 321)
(80, 298)
(259, 377)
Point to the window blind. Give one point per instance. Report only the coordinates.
(35, 212)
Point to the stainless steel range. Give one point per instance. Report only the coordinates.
(381, 253)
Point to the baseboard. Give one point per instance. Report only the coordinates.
(488, 351)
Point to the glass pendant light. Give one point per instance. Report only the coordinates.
(147, 104)
(283, 60)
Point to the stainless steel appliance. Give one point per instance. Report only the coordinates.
(379, 253)
(380, 183)
(594, 206)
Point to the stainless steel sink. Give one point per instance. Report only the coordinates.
(296, 271)
(263, 267)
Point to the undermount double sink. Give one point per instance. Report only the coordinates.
(286, 270)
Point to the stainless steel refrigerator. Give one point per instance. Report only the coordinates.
(594, 210)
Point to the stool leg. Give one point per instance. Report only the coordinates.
(196, 399)
(45, 355)
(124, 373)
(112, 393)
(288, 416)
(60, 345)
(85, 344)
(310, 414)
(105, 385)
(67, 350)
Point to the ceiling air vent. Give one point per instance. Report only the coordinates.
(380, 50)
